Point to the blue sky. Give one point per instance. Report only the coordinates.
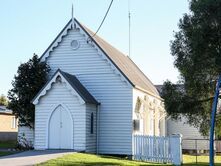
(29, 27)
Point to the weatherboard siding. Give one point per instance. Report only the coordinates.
(59, 94)
(110, 89)
(91, 138)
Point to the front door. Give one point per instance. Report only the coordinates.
(60, 129)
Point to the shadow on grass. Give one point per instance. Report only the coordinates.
(85, 164)
(126, 159)
(200, 164)
(133, 162)
(98, 164)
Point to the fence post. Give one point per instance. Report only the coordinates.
(176, 149)
(133, 146)
(196, 150)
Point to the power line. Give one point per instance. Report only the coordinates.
(104, 18)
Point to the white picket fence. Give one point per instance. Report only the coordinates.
(157, 149)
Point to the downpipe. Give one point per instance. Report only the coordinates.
(97, 127)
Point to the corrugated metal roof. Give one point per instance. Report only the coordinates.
(75, 84)
(124, 63)
(80, 89)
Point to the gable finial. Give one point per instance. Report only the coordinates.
(72, 16)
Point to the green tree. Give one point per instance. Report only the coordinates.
(196, 49)
(30, 78)
(3, 100)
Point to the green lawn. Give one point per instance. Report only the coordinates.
(202, 160)
(5, 153)
(80, 159)
(89, 159)
(7, 144)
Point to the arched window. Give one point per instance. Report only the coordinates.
(92, 123)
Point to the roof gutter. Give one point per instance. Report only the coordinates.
(6, 113)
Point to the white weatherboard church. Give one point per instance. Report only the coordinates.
(96, 98)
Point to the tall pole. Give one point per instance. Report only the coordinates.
(129, 17)
(213, 121)
(72, 16)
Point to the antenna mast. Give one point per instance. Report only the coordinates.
(129, 17)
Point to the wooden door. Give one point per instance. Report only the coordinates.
(60, 129)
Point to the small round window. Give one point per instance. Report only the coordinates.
(75, 44)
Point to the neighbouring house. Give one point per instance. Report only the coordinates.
(96, 98)
(192, 138)
(8, 125)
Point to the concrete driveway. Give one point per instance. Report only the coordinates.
(32, 157)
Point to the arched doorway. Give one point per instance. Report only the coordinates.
(60, 129)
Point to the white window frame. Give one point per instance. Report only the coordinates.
(14, 123)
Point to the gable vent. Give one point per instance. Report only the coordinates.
(75, 44)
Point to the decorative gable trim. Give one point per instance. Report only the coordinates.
(92, 42)
(57, 77)
(56, 41)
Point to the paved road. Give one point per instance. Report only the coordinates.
(33, 157)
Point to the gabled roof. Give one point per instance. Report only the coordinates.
(73, 82)
(122, 62)
(80, 89)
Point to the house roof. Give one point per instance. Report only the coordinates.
(4, 110)
(159, 88)
(122, 62)
(80, 89)
(74, 83)
(130, 70)
(178, 86)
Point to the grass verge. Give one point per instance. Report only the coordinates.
(7, 144)
(6, 153)
(202, 160)
(82, 159)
